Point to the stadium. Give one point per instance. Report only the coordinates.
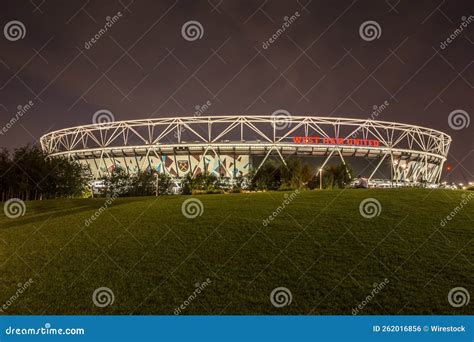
(228, 146)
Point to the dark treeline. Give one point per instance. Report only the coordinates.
(272, 175)
(144, 183)
(27, 174)
(298, 174)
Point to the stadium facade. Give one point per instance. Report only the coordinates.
(231, 145)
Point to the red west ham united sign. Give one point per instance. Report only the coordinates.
(336, 141)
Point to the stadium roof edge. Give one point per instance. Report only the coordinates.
(196, 119)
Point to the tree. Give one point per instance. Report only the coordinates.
(68, 178)
(164, 184)
(268, 177)
(118, 183)
(296, 174)
(29, 174)
(187, 184)
(335, 176)
(5, 165)
(205, 181)
(143, 183)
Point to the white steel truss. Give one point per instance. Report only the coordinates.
(415, 153)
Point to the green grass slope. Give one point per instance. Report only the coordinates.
(319, 247)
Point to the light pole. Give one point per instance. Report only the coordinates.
(321, 179)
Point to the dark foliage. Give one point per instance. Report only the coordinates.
(143, 183)
(29, 175)
(298, 174)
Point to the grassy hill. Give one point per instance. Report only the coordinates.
(319, 247)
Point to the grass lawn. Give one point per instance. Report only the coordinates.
(319, 247)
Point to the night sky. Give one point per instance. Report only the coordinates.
(143, 67)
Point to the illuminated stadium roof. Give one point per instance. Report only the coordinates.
(228, 145)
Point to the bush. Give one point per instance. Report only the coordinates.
(143, 183)
(165, 184)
